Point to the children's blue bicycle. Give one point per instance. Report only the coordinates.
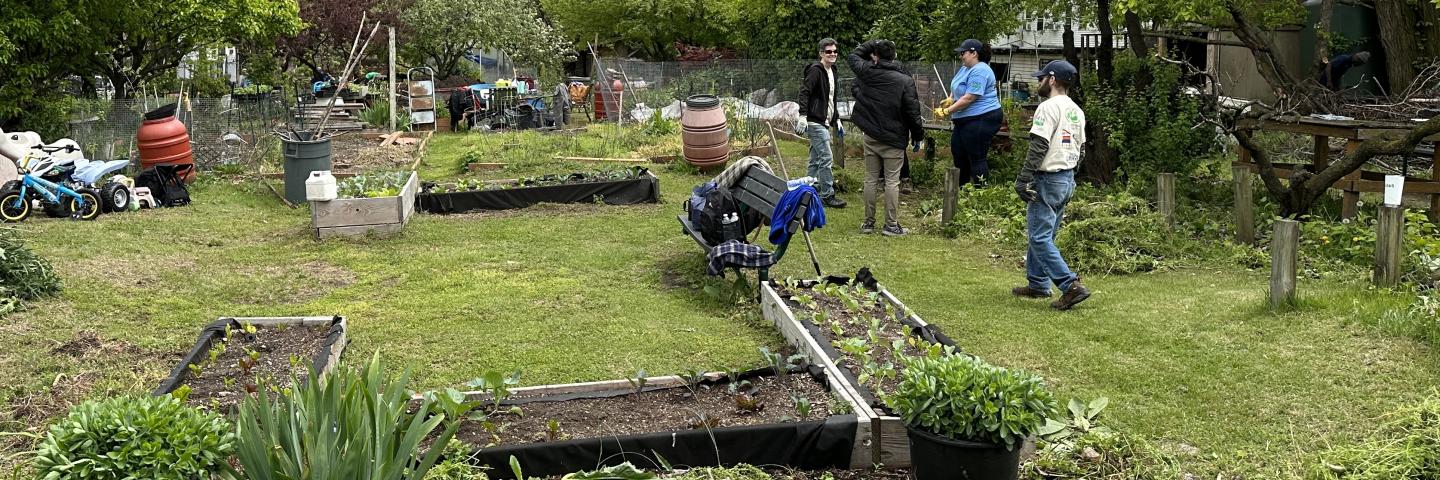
(16, 195)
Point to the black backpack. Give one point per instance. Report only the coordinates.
(165, 184)
(719, 203)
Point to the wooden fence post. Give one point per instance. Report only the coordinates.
(1388, 242)
(1165, 197)
(1244, 205)
(952, 190)
(1283, 246)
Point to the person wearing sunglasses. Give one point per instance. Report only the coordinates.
(817, 117)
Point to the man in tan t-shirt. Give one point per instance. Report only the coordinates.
(1046, 183)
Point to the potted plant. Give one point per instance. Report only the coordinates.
(967, 419)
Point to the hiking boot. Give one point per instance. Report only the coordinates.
(894, 231)
(1076, 294)
(1026, 291)
(867, 227)
(906, 187)
(834, 202)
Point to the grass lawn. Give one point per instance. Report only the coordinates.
(585, 292)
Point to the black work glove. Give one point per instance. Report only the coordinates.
(1025, 186)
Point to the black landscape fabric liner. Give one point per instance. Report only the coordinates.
(643, 189)
(930, 333)
(816, 444)
(216, 330)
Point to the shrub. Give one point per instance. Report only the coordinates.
(1155, 128)
(23, 275)
(135, 437)
(1406, 446)
(349, 424)
(964, 398)
(1116, 234)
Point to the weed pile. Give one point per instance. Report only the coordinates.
(23, 274)
(1407, 446)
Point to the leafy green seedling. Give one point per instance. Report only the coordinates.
(195, 370)
(497, 385)
(802, 406)
(638, 382)
(552, 431)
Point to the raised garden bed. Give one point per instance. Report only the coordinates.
(358, 216)
(235, 355)
(616, 187)
(855, 331)
(560, 429)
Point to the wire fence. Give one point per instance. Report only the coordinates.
(231, 130)
(762, 82)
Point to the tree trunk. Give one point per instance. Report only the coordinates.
(1105, 55)
(1305, 96)
(1322, 35)
(1398, 23)
(1135, 35)
(1073, 56)
(1102, 161)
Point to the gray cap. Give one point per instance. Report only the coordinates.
(1061, 69)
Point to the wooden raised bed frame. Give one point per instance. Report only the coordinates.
(889, 444)
(337, 348)
(860, 458)
(358, 216)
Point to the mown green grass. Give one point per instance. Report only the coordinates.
(585, 292)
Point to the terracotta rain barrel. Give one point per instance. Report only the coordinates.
(704, 132)
(164, 140)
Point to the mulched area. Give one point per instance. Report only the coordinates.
(285, 352)
(653, 411)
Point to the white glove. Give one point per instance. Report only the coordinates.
(801, 127)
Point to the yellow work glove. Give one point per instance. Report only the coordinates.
(940, 113)
(946, 103)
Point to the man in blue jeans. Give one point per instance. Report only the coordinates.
(817, 117)
(1046, 182)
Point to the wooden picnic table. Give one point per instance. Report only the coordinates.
(1355, 132)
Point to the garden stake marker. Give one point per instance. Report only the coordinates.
(783, 171)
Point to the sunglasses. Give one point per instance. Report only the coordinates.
(831, 52)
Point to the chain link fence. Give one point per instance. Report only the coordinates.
(231, 130)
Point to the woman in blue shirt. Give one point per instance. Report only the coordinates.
(974, 113)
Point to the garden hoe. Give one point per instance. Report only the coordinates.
(783, 171)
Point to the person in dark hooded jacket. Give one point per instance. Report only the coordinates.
(887, 110)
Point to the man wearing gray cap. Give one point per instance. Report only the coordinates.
(1046, 183)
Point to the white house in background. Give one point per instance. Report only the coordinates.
(1039, 41)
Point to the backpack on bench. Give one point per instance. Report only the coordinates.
(720, 203)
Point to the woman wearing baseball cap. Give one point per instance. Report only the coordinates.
(974, 112)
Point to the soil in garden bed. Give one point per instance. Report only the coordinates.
(652, 411)
(285, 352)
(852, 313)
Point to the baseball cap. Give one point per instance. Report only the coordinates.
(969, 45)
(1061, 69)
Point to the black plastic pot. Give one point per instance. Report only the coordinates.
(933, 457)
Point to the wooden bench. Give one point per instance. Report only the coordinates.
(757, 190)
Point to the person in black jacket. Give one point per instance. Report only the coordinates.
(817, 116)
(887, 111)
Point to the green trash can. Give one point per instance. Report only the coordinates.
(303, 156)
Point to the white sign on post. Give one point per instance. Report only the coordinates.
(1394, 186)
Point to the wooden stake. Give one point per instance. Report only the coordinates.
(1388, 244)
(1165, 197)
(1244, 205)
(1283, 246)
(952, 191)
(391, 78)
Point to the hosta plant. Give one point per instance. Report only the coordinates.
(135, 437)
(963, 398)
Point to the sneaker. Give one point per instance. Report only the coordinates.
(1026, 291)
(1076, 294)
(833, 202)
(894, 231)
(905, 187)
(867, 227)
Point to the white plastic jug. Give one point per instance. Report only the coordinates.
(320, 187)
